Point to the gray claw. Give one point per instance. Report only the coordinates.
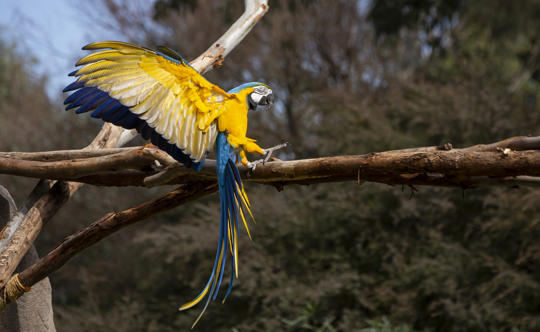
(268, 152)
(253, 165)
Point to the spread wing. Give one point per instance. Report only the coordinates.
(155, 92)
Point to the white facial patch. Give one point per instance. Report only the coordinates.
(256, 97)
(262, 90)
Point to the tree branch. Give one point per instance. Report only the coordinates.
(436, 166)
(107, 225)
(74, 168)
(42, 204)
(441, 166)
(48, 156)
(213, 56)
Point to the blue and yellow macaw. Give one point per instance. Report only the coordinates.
(167, 101)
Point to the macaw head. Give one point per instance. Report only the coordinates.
(260, 98)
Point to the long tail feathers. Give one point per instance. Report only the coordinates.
(234, 205)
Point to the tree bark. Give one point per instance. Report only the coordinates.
(33, 312)
(107, 225)
(512, 161)
(44, 208)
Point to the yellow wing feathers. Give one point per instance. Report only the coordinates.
(171, 96)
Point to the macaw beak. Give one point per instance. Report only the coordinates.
(267, 100)
(260, 102)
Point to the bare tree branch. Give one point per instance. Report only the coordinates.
(8, 209)
(34, 312)
(429, 168)
(137, 178)
(41, 209)
(41, 206)
(436, 166)
(213, 56)
(47, 156)
(107, 225)
(75, 168)
(473, 166)
(518, 143)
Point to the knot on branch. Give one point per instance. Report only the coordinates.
(13, 290)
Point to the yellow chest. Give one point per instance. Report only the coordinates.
(234, 118)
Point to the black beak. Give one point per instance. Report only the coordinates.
(267, 100)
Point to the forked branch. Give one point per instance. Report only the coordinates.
(48, 197)
(103, 227)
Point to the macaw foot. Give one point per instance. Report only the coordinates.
(268, 152)
(253, 164)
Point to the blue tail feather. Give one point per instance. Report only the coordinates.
(230, 199)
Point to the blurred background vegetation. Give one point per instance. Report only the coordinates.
(351, 77)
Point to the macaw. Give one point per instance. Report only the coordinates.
(167, 101)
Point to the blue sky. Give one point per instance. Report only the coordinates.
(53, 32)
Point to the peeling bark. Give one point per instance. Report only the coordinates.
(33, 312)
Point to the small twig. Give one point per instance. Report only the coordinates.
(524, 143)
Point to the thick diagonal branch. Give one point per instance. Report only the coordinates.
(214, 55)
(43, 203)
(107, 225)
(48, 196)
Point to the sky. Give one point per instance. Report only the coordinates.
(53, 32)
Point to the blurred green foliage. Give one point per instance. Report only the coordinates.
(329, 257)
